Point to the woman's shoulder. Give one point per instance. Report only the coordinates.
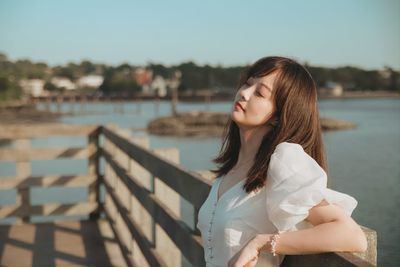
(287, 148)
(289, 158)
(290, 154)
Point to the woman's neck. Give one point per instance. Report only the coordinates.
(250, 141)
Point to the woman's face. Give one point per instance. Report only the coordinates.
(255, 99)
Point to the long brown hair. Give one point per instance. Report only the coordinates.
(295, 120)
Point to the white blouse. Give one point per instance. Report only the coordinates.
(295, 183)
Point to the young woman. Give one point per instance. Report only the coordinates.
(270, 197)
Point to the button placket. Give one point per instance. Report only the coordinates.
(209, 239)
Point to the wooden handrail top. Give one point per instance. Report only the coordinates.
(175, 176)
(42, 130)
(28, 154)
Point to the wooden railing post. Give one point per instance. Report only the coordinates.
(171, 199)
(23, 169)
(138, 213)
(22, 154)
(94, 169)
(123, 193)
(110, 176)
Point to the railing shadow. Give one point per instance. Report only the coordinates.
(51, 244)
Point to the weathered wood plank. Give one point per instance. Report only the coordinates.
(47, 181)
(330, 259)
(43, 153)
(94, 170)
(125, 251)
(46, 209)
(172, 200)
(41, 130)
(23, 170)
(179, 232)
(59, 243)
(145, 246)
(182, 181)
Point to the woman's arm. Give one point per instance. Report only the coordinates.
(333, 231)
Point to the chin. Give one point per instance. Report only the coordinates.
(238, 122)
(234, 117)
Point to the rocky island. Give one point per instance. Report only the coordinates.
(200, 123)
(19, 113)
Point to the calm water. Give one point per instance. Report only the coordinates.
(363, 162)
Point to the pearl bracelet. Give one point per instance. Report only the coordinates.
(274, 241)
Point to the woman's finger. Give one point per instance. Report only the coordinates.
(252, 262)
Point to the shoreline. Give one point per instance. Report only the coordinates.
(200, 123)
(25, 112)
(19, 113)
(362, 94)
(184, 97)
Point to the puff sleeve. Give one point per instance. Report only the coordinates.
(295, 184)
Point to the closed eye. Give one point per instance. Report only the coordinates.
(259, 94)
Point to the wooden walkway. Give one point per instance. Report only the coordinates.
(150, 204)
(63, 243)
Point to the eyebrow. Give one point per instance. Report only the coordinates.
(263, 84)
(266, 86)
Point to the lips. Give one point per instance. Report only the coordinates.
(237, 104)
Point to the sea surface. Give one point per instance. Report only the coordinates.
(363, 162)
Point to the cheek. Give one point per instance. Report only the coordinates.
(260, 108)
(259, 112)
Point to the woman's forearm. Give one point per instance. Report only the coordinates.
(325, 237)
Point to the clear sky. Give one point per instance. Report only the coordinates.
(361, 33)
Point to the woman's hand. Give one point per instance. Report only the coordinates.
(248, 255)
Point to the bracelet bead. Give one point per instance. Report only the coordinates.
(274, 241)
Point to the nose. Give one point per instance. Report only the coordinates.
(244, 93)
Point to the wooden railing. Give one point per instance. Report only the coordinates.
(147, 196)
(22, 154)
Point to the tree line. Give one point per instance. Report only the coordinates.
(119, 79)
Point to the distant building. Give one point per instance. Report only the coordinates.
(144, 77)
(331, 89)
(90, 81)
(33, 87)
(386, 72)
(159, 86)
(62, 82)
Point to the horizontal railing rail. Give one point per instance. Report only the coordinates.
(181, 180)
(21, 152)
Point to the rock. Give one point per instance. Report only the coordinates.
(198, 123)
(25, 114)
(335, 124)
